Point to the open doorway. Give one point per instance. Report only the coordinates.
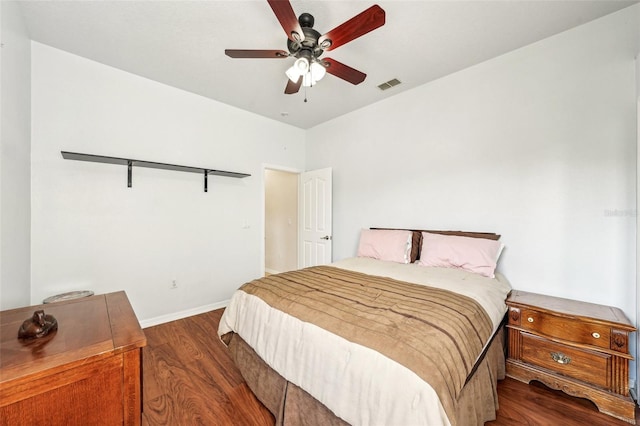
(280, 221)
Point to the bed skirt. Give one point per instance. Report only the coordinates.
(291, 405)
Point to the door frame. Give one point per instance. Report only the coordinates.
(263, 229)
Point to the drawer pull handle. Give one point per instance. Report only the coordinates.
(596, 335)
(530, 319)
(560, 358)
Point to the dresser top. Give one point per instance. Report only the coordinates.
(571, 308)
(88, 329)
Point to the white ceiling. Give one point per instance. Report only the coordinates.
(182, 43)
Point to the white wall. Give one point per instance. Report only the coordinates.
(281, 221)
(15, 166)
(538, 145)
(637, 388)
(92, 232)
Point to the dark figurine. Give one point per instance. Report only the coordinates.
(39, 325)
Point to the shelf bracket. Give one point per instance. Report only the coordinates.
(129, 170)
(206, 174)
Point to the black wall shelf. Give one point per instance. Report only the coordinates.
(129, 162)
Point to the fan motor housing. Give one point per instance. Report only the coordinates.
(311, 37)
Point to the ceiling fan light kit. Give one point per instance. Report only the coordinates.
(307, 45)
(298, 69)
(310, 73)
(316, 73)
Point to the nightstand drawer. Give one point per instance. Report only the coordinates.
(588, 366)
(577, 331)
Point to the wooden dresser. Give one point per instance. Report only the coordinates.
(577, 347)
(88, 372)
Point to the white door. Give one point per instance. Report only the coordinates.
(314, 218)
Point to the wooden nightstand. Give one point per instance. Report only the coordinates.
(577, 347)
(88, 372)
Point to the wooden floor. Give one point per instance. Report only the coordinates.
(189, 379)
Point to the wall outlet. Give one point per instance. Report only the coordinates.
(173, 285)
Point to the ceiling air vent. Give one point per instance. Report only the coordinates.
(389, 84)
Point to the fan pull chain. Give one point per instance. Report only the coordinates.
(310, 82)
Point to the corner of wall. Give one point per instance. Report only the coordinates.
(15, 159)
(635, 386)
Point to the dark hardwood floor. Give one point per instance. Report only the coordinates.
(189, 379)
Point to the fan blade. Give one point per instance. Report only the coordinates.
(343, 71)
(273, 54)
(359, 25)
(293, 87)
(287, 17)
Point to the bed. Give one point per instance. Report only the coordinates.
(407, 332)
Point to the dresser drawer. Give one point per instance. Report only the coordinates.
(577, 331)
(588, 366)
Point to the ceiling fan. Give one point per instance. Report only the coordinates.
(306, 45)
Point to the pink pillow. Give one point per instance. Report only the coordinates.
(476, 255)
(384, 244)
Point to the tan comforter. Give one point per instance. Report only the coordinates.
(433, 333)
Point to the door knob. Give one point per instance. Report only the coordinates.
(326, 237)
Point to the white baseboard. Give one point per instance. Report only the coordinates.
(632, 391)
(271, 271)
(182, 314)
